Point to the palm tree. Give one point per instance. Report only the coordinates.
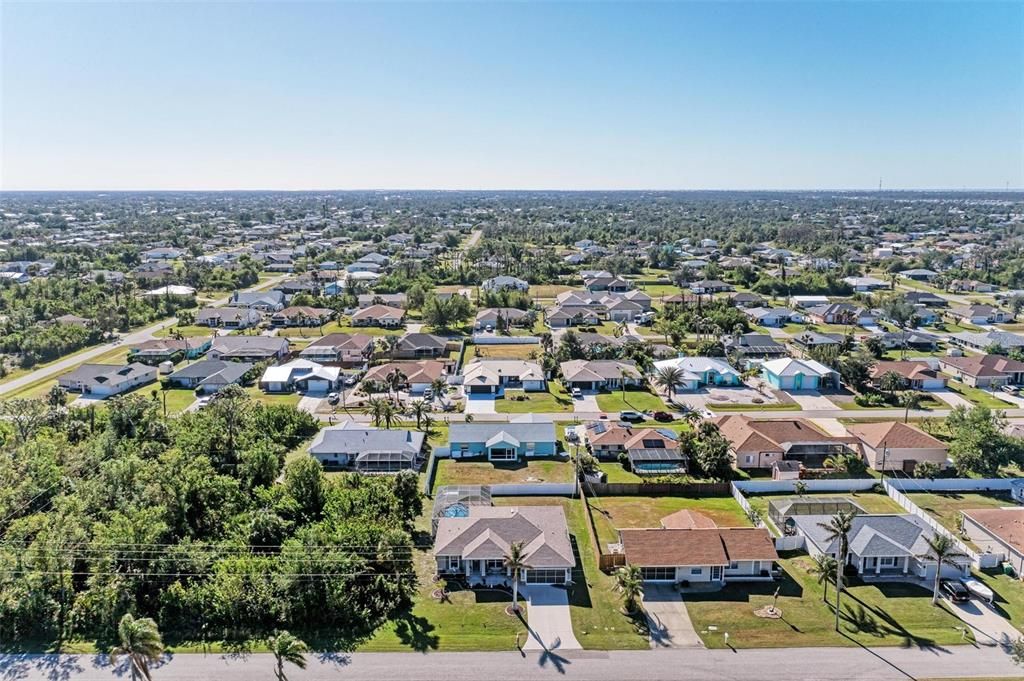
(910, 400)
(668, 377)
(419, 409)
(375, 409)
(388, 414)
(942, 549)
(428, 425)
(515, 562)
(629, 581)
(439, 386)
(823, 569)
(891, 381)
(838, 530)
(287, 648)
(395, 380)
(140, 643)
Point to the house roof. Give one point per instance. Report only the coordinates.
(379, 312)
(525, 431)
(984, 365)
(491, 371)
(907, 369)
(411, 341)
(249, 345)
(108, 373)
(1006, 339)
(304, 311)
(692, 367)
(425, 371)
(789, 366)
(685, 519)
(598, 370)
(1006, 524)
(717, 546)
(488, 532)
(228, 372)
(768, 435)
(340, 341)
(894, 435)
(872, 535)
(353, 438)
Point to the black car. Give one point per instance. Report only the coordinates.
(954, 591)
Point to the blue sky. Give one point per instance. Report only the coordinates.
(529, 95)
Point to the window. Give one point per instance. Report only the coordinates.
(888, 561)
(696, 571)
(495, 565)
(658, 573)
(734, 564)
(749, 458)
(453, 562)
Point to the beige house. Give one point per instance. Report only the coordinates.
(897, 446)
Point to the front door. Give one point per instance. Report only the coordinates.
(798, 382)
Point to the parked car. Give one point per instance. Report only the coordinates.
(428, 394)
(577, 393)
(632, 416)
(954, 591)
(1009, 389)
(333, 398)
(662, 416)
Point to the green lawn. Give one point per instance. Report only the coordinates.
(186, 331)
(775, 406)
(337, 327)
(273, 398)
(38, 388)
(977, 396)
(887, 614)
(177, 399)
(946, 507)
(872, 502)
(631, 400)
(594, 604)
(616, 473)
(555, 399)
(613, 513)
(525, 351)
(456, 472)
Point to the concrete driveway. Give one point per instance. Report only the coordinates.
(990, 628)
(812, 401)
(667, 618)
(586, 403)
(951, 398)
(311, 403)
(480, 404)
(550, 626)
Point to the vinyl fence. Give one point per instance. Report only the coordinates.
(905, 501)
(783, 486)
(658, 489)
(491, 339)
(534, 489)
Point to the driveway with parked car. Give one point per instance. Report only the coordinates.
(989, 627)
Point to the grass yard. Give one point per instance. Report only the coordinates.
(946, 507)
(38, 388)
(774, 406)
(887, 614)
(977, 395)
(634, 400)
(177, 399)
(457, 472)
(186, 331)
(594, 604)
(337, 327)
(555, 399)
(872, 502)
(614, 472)
(612, 513)
(525, 351)
(273, 398)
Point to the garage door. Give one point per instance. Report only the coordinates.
(480, 389)
(545, 576)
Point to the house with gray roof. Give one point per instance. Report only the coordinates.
(264, 301)
(530, 437)
(368, 449)
(505, 283)
(880, 544)
(209, 375)
(104, 380)
(249, 348)
(474, 546)
(982, 341)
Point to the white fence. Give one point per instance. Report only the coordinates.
(782, 486)
(491, 339)
(953, 484)
(904, 501)
(534, 489)
(793, 542)
(744, 504)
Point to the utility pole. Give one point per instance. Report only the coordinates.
(885, 452)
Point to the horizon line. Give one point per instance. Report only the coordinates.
(1005, 190)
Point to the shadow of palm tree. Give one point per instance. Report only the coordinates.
(416, 632)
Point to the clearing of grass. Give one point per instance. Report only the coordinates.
(615, 472)
(258, 395)
(631, 400)
(977, 396)
(555, 399)
(457, 472)
(594, 604)
(614, 513)
(524, 351)
(186, 332)
(886, 614)
(946, 507)
(773, 406)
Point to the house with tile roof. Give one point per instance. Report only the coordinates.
(759, 443)
(916, 374)
(984, 371)
(493, 376)
(600, 374)
(898, 446)
(713, 556)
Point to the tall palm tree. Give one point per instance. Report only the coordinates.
(668, 377)
(910, 400)
(395, 380)
(287, 648)
(439, 386)
(388, 414)
(375, 409)
(515, 562)
(823, 569)
(140, 642)
(942, 549)
(838, 530)
(428, 425)
(629, 581)
(419, 409)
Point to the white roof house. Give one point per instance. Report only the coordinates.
(490, 375)
(171, 290)
(699, 371)
(309, 374)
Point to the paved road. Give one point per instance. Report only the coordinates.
(792, 664)
(131, 338)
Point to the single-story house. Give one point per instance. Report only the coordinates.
(601, 374)
(773, 317)
(228, 317)
(880, 545)
(979, 314)
(897, 446)
(529, 438)
(505, 283)
(302, 315)
(340, 348)
(706, 286)
(264, 301)
(209, 375)
(834, 313)
(559, 317)
(999, 531)
(159, 350)
(925, 298)
(699, 371)
(983, 341)
(379, 315)
(971, 286)
(916, 374)
(104, 380)
(249, 348)
(910, 339)
(808, 340)
(420, 346)
(918, 274)
(706, 555)
(301, 375)
(492, 376)
(650, 451)
(759, 443)
(745, 299)
(496, 317)
(984, 371)
(368, 449)
(474, 546)
(365, 300)
(798, 374)
(418, 375)
(754, 346)
(864, 284)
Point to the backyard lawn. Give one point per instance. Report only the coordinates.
(887, 614)
(273, 398)
(525, 351)
(977, 396)
(946, 507)
(337, 327)
(455, 472)
(176, 399)
(555, 399)
(186, 331)
(872, 502)
(594, 604)
(613, 513)
(616, 473)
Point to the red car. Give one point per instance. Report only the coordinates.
(662, 416)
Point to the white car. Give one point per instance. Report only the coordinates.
(577, 393)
